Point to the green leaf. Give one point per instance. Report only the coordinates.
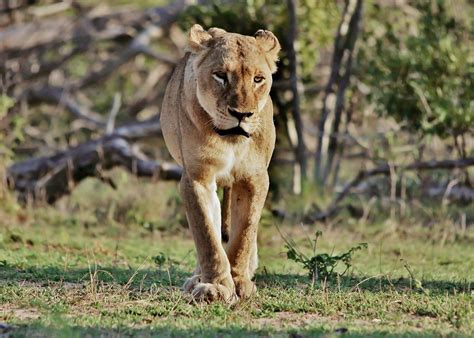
(6, 103)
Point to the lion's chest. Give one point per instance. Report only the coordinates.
(225, 166)
(231, 165)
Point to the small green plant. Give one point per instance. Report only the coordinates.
(321, 266)
(414, 282)
(6, 103)
(160, 259)
(164, 261)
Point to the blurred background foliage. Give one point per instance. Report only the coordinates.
(419, 66)
(409, 99)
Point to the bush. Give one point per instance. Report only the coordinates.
(420, 71)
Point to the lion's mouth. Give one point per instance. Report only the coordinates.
(232, 131)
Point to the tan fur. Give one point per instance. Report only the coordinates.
(196, 102)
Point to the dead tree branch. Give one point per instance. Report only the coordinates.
(50, 177)
(26, 50)
(24, 47)
(140, 44)
(34, 61)
(59, 97)
(385, 170)
(21, 39)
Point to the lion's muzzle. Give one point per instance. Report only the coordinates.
(232, 131)
(239, 115)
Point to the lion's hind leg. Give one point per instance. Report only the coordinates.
(226, 214)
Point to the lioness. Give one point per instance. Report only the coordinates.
(217, 122)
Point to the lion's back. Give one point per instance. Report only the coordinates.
(169, 116)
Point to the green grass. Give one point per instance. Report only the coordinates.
(90, 270)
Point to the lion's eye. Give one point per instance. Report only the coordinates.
(258, 79)
(220, 77)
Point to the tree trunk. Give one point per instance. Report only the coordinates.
(300, 149)
(336, 87)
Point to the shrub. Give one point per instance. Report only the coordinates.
(420, 71)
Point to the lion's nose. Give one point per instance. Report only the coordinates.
(239, 115)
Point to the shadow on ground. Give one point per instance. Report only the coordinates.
(38, 330)
(364, 283)
(174, 276)
(142, 278)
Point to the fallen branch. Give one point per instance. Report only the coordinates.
(456, 193)
(60, 97)
(25, 48)
(385, 170)
(29, 71)
(22, 39)
(139, 130)
(139, 45)
(50, 177)
(29, 52)
(19, 39)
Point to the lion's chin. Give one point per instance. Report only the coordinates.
(232, 131)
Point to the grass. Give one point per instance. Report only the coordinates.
(87, 267)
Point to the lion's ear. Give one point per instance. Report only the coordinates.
(269, 43)
(198, 38)
(216, 32)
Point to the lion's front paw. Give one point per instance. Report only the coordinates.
(191, 282)
(209, 292)
(244, 287)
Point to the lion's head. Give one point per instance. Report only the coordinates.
(234, 76)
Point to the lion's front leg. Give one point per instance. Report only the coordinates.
(203, 213)
(248, 198)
